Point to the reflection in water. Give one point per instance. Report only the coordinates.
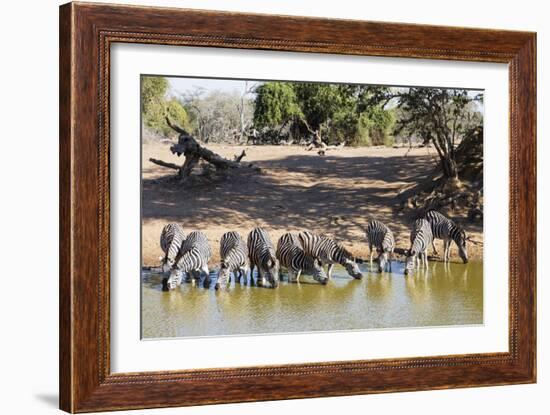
(449, 294)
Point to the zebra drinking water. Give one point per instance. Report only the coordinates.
(171, 240)
(421, 239)
(192, 258)
(292, 256)
(261, 254)
(445, 229)
(329, 252)
(380, 237)
(234, 258)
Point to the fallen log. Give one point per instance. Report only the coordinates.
(165, 164)
(194, 152)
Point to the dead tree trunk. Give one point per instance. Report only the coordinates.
(194, 152)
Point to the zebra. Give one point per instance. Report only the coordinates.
(261, 254)
(192, 258)
(171, 240)
(329, 252)
(292, 256)
(234, 258)
(445, 229)
(421, 239)
(381, 237)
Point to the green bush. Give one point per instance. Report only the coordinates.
(155, 106)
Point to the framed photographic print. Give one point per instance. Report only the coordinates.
(261, 207)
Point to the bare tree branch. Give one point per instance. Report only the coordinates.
(165, 164)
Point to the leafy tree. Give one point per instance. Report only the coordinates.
(275, 105)
(336, 113)
(156, 106)
(440, 116)
(153, 91)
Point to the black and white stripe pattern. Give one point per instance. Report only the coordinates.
(261, 254)
(192, 258)
(292, 256)
(234, 258)
(421, 239)
(445, 229)
(381, 238)
(329, 252)
(171, 240)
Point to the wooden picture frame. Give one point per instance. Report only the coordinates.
(86, 33)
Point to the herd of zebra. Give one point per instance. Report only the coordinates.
(304, 252)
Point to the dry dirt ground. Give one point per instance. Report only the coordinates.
(333, 195)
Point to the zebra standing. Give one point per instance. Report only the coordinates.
(261, 254)
(329, 252)
(421, 239)
(292, 256)
(381, 237)
(445, 229)
(192, 258)
(171, 240)
(234, 258)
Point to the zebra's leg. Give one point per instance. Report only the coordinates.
(447, 250)
(298, 275)
(260, 280)
(246, 270)
(251, 273)
(371, 254)
(207, 279)
(391, 259)
(329, 271)
(433, 246)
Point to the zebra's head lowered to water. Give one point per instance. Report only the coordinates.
(318, 272)
(173, 281)
(410, 262)
(383, 260)
(224, 275)
(353, 269)
(272, 271)
(460, 241)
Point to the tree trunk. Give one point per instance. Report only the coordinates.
(451, 182)
(449, 167)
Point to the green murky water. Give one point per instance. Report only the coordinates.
(442, 296)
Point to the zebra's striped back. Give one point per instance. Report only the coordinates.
(421, 239)
(234, 257)
(233, 251)
(261, 254)
(292, 256)
(421, 236)
(380, 236)
(193, 258)
(446, 229)
(171, 240)
(328, 252)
